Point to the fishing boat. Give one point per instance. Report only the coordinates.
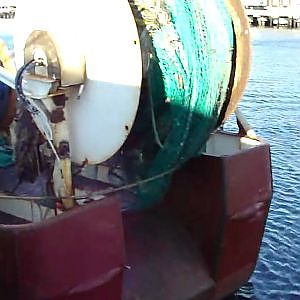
(117, 179)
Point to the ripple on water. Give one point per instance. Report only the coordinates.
(272, 105)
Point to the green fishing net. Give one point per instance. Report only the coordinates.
(189, 63)
(6, 154)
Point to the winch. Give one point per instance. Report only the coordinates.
(82, 95)
(83, 76)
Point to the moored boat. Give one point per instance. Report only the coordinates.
(120, 183)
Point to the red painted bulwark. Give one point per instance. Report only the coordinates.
(224, 202)
(202, 242)
(247, 194)
(78, 255)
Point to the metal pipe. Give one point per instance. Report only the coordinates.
(244, 126)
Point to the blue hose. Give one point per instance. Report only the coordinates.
(4, 98)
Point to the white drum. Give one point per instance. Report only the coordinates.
(103, 35)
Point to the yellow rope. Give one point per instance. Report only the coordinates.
(104, 192)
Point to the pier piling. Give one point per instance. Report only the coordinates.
(266, 14)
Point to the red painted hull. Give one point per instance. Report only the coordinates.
(78, 255)
(225, 210)
(201, 243)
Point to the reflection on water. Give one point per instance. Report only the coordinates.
(272, 105)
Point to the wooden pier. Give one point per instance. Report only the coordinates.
(267, 14)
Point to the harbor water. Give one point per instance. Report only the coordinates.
(272, 106)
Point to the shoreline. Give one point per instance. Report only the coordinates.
(275, 28)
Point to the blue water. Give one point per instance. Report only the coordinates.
(272, 105)
(7, 38)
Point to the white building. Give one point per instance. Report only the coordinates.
(271, 3)
(273, 8)
(7, 8)
(255, 3)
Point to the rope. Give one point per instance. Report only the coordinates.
(104, 192)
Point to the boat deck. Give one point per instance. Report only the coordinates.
(8, 219)
(164, 261)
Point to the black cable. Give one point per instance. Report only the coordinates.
(19, 89)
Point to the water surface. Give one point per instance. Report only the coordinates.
(272, 105)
